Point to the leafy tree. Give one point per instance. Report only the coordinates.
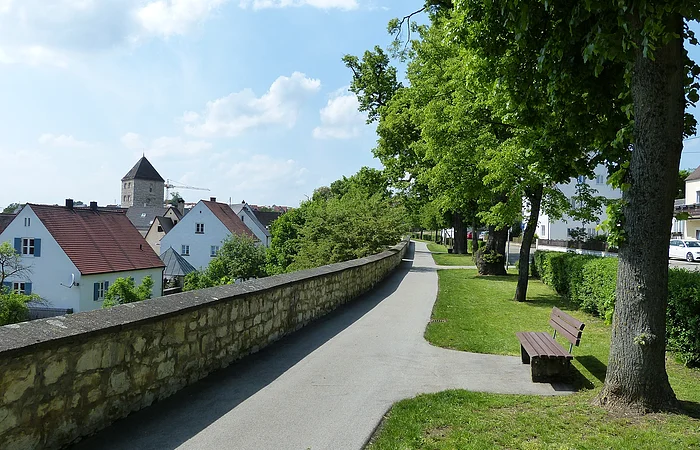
(646, 39)
(239, 258)
(198, 280)
(175, 198)
(11, 263)
(11, 208)
(285, 240)
(13, 306)
(124, 290)
(682, 175)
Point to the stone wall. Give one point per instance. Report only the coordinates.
(69, 376)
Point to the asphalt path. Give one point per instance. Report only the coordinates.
(328, 385)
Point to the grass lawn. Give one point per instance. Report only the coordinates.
(442, 258)
(482, 317)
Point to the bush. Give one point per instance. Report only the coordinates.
(470, 247)
(589, 282)
(13, 307)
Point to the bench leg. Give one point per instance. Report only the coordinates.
(550, 369)
(524, 356)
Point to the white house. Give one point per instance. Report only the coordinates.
(199, 234)
(75, 254)
(249, 219)
(689, 226)
(161, 225)
(548, 228)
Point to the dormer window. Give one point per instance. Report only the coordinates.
(199, 228)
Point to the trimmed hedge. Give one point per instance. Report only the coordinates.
(589, 283)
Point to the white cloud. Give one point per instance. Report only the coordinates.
(321, 4)
(171, 17)
(62, 141)
(340, 118)
(170, 146)
(240, 111)
(261, 174)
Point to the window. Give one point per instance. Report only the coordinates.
(124, 198)
(581, 179)
(199, 228)
(19, 287)
(99, 290)
(214, 250)
(143, 215)
(27, 221)
(160, 228)
(185, 250)
(150, 188)
(28, 246)
(697, 197)
(600, 179)
(124, 185)
(542, 231)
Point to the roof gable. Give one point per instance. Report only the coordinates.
(143, 170)
(99, 241)
(695, 175)
(228, 218)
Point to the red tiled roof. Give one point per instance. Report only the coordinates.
(5, 220)
(99, 241)
(225, 214)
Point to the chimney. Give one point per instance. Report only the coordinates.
(69, 203)
(93, 206)
(212, 199)
(181, 206)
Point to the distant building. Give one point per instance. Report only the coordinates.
(250, 219)
(559, 229)
(688, 227)
(199, 234)
(142, 186)
(75, 254)
(161, 225)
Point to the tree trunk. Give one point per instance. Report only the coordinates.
(421, 234)
(535, 198)
(636, 379)
(475, 237)
(460, 236)
(491, 260)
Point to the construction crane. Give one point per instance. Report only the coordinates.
(174, 184)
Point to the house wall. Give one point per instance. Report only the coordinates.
(70, 376)
(692, 229)
(200, 244)
(51, 271)
(249, 220)
(557, 229)
(691, 192)
(87, 285)
(148, 192)
(153, 237)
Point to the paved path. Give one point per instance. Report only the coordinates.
(328, 385)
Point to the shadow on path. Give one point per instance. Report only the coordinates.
(171, 422)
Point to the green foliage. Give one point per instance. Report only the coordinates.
(239, 258)
(683, 318)
(589, 282)
(13, 306)
(11, 263)
(285, 240)
(124, 290)
(198, 280)
(614, 225)
(470, 245)
(174, 199)
(12, 208)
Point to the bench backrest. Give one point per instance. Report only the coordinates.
(567, 326)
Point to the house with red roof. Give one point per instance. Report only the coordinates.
(198, 236)
(75, 254)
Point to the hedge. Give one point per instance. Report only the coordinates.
(588, 282)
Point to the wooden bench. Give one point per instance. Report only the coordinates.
(548, 360)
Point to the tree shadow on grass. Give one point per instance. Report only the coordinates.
(690, 409)
(595, 366)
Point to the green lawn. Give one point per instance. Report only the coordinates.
(481, 317)
(442, 258)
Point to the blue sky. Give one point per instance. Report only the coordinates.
(245, 97)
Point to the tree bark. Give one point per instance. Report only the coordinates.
(475, 236)
(460, 236)
(636, 379)
(534, 196)
(491, 260)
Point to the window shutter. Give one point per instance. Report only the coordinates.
(96, 293)
(18, 245)
(106, 286)
(37, 247)
(27, 288)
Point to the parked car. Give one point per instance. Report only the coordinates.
(688, 249)
(483, 235)
(469, 235)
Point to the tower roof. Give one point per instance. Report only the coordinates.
(143, 170)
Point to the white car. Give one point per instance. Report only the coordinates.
(688, 249)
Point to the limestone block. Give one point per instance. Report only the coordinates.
(18, 381)
(8, 419)
(91, 359)
(166, 369)
(221, 331)
(94, 395)
(138, 344)
(88, 381)
(53, 371)
(118, 382)
(113, 354)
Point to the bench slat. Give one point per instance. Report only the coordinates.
(524, 338)
(574, 338)
(553, 349)
(570, 319)
(569, 327)
(541, 345)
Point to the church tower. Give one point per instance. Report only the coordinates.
(142, 186)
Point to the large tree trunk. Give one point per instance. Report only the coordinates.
(475, 236)
(535, 198)
(460, 236)
(636, 379)
(491, 260)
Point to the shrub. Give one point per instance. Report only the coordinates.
(589, 282)
(13, 307)
(470, 246)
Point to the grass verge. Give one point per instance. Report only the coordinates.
(442, 258)
(482, 317)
